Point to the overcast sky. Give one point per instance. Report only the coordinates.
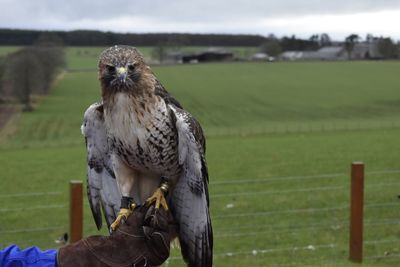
(338, 18)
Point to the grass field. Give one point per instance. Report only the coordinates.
(280, 139)
(4, 50)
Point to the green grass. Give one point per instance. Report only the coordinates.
(269, 123)
(4, 50)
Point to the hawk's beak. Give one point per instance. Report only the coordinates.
(122, 73)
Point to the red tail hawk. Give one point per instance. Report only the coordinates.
(141, 143)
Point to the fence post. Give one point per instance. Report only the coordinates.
(75, 211)
(356, 212)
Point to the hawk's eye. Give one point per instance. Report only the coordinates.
(131, 67)
(110, 68)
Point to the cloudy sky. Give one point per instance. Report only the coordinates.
(338, 18)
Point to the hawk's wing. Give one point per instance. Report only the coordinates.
(102, 189)
(189, 199)
(168, 99)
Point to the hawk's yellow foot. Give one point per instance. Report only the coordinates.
(127, 207)
(158, 197)
(122, 215)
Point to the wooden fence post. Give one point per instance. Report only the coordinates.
(75, 211)
(356, 212)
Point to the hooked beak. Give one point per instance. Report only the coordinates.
(121, 74)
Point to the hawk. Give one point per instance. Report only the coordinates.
(144, 148)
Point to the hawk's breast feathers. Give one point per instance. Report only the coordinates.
(143, 134)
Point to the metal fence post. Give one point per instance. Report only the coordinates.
(76, 211)
(356, 212)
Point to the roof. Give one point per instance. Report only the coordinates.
(371, 48)
(331, 49)
(325, 53)
(260, 56)
(291, 54)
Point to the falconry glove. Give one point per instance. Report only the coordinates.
(143, 240)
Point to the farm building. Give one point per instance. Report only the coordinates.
(262, 57)
(325, 53)
(211, 55)
(367, 50)
(331, 53)
(291, 55)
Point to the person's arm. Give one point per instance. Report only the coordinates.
(13, 256)
(143, 240)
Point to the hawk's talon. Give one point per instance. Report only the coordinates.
(158, 198)
(122, 216)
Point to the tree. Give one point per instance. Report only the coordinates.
(314, 43)
(314, 38)
(387, 48)
(2, 65)
(32, 70)
(159, 52)
(271, 47)
(325, 40)
(292, 43)
(369, 38)
(49, 50)
(24, 74)
(350, 43)
(398, 49)
(51, 61)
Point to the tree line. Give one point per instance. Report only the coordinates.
(30, 71)
(99, 38)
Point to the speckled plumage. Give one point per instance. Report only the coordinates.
(148, 135)
(120, 55)
(145, 138)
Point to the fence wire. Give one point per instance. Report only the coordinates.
(258, 229)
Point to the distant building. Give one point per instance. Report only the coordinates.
(262, 57)
(291, 55)
(331, 53)
(210, 55)
(325, 53)
(366, 50)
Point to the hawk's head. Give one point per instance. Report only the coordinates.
(122, 69)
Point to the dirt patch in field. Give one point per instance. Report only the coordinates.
(6, 112)
(8, 117)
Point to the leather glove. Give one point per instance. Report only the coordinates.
(143, 240)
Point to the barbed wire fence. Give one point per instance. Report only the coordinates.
(256, 230)
(277, 229)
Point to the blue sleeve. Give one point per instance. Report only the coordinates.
(13, 256)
